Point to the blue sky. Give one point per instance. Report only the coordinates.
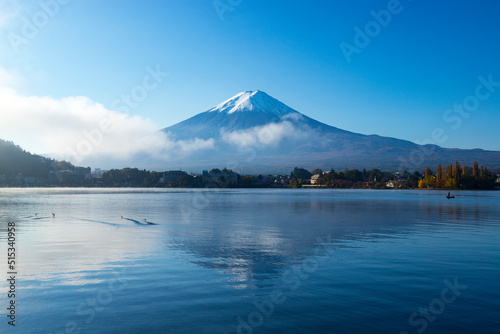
(401, 83)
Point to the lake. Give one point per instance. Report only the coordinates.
(251, 261)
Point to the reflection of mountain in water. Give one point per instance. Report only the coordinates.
(253, 237)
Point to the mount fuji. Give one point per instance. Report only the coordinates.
(254, 132)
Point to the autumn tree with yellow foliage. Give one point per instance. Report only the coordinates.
(457, 176)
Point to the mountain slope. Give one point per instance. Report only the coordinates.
(262, 134)
(13, 160)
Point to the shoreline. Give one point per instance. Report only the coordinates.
(259, 188)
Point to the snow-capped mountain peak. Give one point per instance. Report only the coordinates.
(278, 138)
(253, 101)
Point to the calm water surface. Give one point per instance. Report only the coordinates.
(252, 261)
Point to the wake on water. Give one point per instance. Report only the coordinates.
(137, 222)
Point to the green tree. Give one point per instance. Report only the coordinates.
(317, 171)
(300, 173)
(247, 181)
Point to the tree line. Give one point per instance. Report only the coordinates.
(458, 176)
(453, 176)
(14, 160)
(134, 177)
(354, 178)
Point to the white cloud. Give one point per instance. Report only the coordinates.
(79, 129)
(269, 135)
(9, 79)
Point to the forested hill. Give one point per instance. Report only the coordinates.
(14, 160)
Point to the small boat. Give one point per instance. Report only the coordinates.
(450, 196)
